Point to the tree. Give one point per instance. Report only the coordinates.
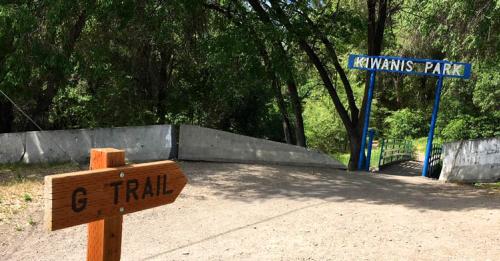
(250, 67)
(456, 31)
(296, 18)
(281, 67)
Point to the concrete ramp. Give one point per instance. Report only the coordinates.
(203, 144)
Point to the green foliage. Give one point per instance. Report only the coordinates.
(27, 197)
(374, 157)
(31, 222)
(420, 144)
(454, 30)
(405, 123)
(342, 157)
(132, 64)
(469, 127)
(486, 95)
(492, 186)
(112, 63)
(71, 108)
(457, 129)
(323, 129)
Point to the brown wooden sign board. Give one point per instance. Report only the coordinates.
(82, 197)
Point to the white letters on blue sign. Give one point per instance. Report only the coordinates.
(437, 69)
(360, 62)
(456, 67)
(449, 69)
(395, 64)
(383, 64)
(410, 66)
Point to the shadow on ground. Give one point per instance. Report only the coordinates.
(251, 183)
(405, 168)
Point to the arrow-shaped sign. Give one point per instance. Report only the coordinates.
(82, 197)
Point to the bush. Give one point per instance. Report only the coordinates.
(456, 129)
(468, 127)
(406, 123)
(323, 128)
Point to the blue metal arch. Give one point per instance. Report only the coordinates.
(467, 69)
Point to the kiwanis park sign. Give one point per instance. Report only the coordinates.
(424, 67)
(410, 66)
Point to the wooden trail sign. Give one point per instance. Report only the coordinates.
(101, 196)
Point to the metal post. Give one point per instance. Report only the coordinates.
(371, 134)
(381, 158)
(428, 149)
(367, 120)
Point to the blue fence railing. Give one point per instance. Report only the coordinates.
(395, 150)
(435, 161)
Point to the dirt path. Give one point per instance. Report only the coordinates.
(254, 212)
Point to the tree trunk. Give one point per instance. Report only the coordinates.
(43, 103)
(377, 15)
(56, 77)
(275, 82)
(297, 109)
(6, 116)
(354, 147)
(287, 130)
(166, 70)
(353, 122)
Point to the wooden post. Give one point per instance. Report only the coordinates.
(105, 235)
(102, 195)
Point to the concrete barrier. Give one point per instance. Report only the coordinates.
(471, 161)
(141, 144)
(157, 142)
(11, 147)
(203, 144)
(58, 146)
(144, 143)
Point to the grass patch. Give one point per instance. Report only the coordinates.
(488, 185)
(19, 228)
(21, 188)
(31, 222)
(420, 144)
(27, 197)
(374, 158)
(342, 157)
(11, 174)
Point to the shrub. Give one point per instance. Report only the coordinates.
(323, 127)
(469, 127)
(406, 123)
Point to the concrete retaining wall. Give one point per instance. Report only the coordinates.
(11, 147)
(143, 143)
(197, 143)
(471, 161)
(157, 142)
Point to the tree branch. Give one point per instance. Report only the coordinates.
(309, 51)
(338, 67)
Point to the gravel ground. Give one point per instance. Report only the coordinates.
(256, 212)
